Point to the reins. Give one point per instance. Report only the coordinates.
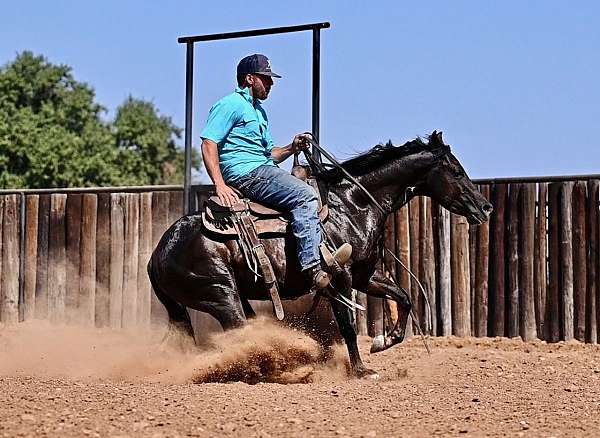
(409, 193)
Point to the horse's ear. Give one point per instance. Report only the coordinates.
(439, 137)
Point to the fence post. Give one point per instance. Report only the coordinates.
(87, 272)
(117, 236)
(9, 277)
(540, 259)
(553, 307)
(512, 257)
(579, 260)
(593, 263)
(130, 261)
(566, 252)
(102, 305)
(57, 258)
(445, 284)
(413, 224)
(31, 233)
(526, 235)
(481, 274)
(145, 250)
(497, 262)
(73, 242)
(403, 236)
(459, 259)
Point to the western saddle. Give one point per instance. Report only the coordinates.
(248, 220)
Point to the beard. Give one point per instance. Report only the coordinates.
(259, 92)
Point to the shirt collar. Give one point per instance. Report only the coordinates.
(245, 93)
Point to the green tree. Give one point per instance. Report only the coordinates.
(146, 143)
(52, 133)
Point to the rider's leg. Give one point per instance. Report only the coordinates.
(275, 187)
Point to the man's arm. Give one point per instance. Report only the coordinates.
(300, 143)
(210, 155)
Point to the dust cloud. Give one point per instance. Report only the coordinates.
(262, 351)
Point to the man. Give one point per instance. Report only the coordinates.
(239, 153)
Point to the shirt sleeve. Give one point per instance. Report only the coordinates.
(222, 117)
(268, 141)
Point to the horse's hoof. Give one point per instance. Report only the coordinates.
(378, 344)
(366, 373)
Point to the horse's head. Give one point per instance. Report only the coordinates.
(448, 183)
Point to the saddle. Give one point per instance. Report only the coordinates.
(219, 219)
(246, 221)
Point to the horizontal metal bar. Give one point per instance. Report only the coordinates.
(118, 189)
(252, 33)
(535, 179)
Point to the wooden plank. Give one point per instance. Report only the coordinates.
(428, 267)
(175, 206)
(31, 234)
(57, 273)
(145, 250)
(512, 261)
(130, 265)
(87, 273)
(403, 237)
(102, 295)
(9, 295)
(160, 215)
(444, 277)
(579, 259)
(117, 234)
(593, 270)
(541, 258)
(459, 260)
(361, 317)
(73, 237)
(391, 310)
(413, 223)
(497, 262)
(41, 278)
(552, 319)
(566, 250)
(472, 230)
(527, 322)
(374, 316)
(482, 254)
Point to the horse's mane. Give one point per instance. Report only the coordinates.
(381, 154)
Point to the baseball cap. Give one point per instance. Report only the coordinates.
(256, 63)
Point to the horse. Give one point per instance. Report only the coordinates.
(190, 268)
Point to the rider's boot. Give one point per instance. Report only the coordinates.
(321, 277)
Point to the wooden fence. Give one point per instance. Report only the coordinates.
(531, 271)
(84, 255)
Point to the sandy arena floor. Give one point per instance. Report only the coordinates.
(74, 382)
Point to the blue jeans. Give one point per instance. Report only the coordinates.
(276, 188)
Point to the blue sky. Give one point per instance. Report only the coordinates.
(513, 84)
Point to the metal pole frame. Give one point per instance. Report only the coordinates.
(189, 41)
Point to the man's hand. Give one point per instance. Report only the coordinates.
(301, 143)
(227, 195)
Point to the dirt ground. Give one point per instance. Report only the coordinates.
(81, 382)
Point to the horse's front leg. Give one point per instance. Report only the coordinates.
(344, 321)
(381, 287)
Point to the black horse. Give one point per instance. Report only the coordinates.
(190, 268)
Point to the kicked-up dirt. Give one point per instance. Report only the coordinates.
(73, 382)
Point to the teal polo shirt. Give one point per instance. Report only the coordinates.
(240, 129)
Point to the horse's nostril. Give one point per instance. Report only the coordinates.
(487, 208)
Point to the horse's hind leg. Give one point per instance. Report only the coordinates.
(180, 331)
